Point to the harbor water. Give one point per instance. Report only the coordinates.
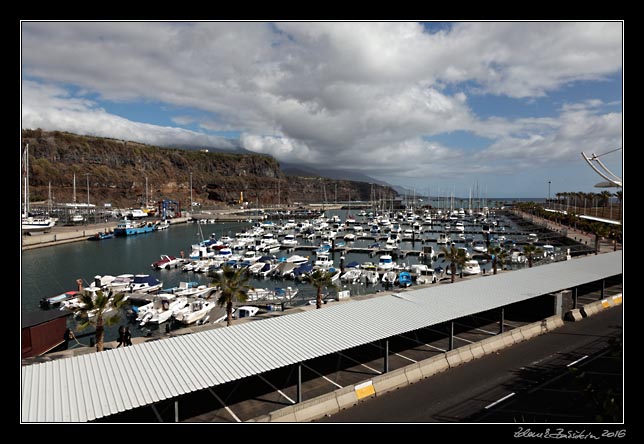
(50, 271)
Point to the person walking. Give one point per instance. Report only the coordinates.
(128, 336)
(67, 336)
(122, 337)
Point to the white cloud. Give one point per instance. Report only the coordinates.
(357, 95)
(51, 108)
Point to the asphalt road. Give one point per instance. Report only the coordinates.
(520, 375)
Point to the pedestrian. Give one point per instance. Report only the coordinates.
(128, 336)
(67, 336)
(121, 339)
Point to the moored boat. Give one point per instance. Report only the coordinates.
(129, 228)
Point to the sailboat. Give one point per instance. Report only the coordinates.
(76, 217)
(32, 224)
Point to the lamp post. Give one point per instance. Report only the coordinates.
(548, 191)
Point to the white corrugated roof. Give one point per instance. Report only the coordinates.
(87, 387)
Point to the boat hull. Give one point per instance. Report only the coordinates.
(132, 231)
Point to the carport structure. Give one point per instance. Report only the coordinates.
(92, 386)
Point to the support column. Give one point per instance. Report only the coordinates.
(299, 382)
(603, 289)
(386, 363)
(502, 320)
(451, 336)
(574, 298)
(176, 411)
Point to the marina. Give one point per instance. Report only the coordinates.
(320, 243)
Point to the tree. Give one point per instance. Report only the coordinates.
(320, 279)
(599, 230)
(530, 251)
(604, 196)
(494, 252)
(455, 257)
(234, 287)
(502, 258)
(98, 307)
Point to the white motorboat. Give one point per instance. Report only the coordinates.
(193, 312)
(251, 257)
(352, 275)
(458, 226)
(297, 259)
(408, 234)
(246, 311)
(160, 226)
(349, 237)
(323, 261)
(443, 239)
(386, 263)
(161, 309)
(166, 262)
(289, 241)
(479, 246)
(391, 244)
(144, 283)
(370, 277)
(471, 267)
(389, 277)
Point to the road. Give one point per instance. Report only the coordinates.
(522, 383)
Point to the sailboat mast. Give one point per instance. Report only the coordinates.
(74, 187)
(25, 164)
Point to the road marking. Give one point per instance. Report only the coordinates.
(320, 374)
(358, 362)
(475, 328)
(397, 354)
(578, 360)
(276, 389)
(455, 337)
(224, 405)
(500, 400)
(422, 343)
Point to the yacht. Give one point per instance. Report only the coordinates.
(323, 261)
(193, 312)
(385, 263)
(471, 267)
(161, 309)
(289, 241)
(443, 239)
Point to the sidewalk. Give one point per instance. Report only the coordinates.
(605, 245)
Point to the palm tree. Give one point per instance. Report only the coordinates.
(530, 251)
(455, 257)
(319, 279)
(604, 196)
(234, 287)
(599, 230)
(99, 306)
(494, 252)
(501, 258)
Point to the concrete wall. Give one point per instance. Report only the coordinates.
(345, 397)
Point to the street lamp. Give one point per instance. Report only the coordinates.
(548, 191)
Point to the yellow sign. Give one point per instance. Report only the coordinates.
(364, 390)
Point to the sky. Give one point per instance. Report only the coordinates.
(438, 108)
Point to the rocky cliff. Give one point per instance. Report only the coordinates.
(117, 172)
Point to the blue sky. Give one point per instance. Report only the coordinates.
(438, 106)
